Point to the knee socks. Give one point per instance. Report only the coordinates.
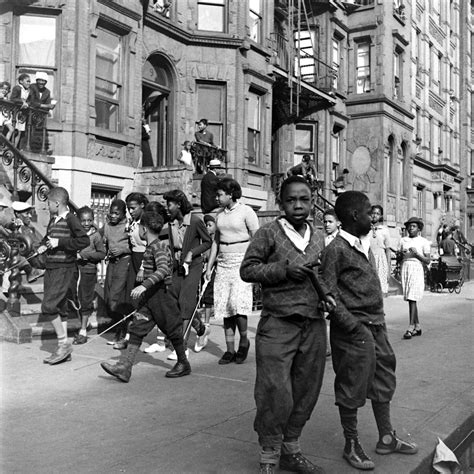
(229, 329)
(241, 322)
(348, 418)
(382, 418)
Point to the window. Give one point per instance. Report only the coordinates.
(336, 151)
(397, 85)
(305, 134)
(439, 139)
(255, 14)
(418, 48)
(212, 106)
(335, 61)
(108, 80)
(304, 61)
(211, 15)
(420, 201)
(37, 47)
(363, 68)
(436, 10)
(403, 170)
(158, 91)
(254, 114)
(392, 163)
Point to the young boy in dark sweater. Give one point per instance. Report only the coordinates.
(64, 237)
(155, 305)
(363, 359)
(87, 260)
(291, 335)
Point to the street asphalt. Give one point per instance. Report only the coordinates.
(74, 418)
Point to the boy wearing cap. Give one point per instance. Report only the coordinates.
(23, 215)
(40, 95)
(363, 359)
(415, 251)
(209, 184)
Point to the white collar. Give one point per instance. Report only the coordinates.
(61, 216)
(299, 241)
(354, 241)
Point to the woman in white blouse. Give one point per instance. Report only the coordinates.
(236, 224)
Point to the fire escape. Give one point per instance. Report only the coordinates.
(304, 83)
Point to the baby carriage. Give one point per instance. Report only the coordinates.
(446, 272)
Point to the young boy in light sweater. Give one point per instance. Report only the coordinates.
(291, 335)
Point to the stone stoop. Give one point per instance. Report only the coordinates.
(32, 324)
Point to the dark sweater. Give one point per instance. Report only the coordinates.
(71, 238)
(116, 238)
(92, 254)
(353, 281)
(266, 261)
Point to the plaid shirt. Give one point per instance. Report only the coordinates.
(157, 264)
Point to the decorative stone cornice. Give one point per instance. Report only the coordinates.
(121, 9)
(170, 29)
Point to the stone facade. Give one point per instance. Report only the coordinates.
(400, 138)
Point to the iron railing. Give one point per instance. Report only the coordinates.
(35, 119)
(203, 153)
(24, 171)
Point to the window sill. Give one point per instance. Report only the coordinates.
(112, 136)
(256, 169)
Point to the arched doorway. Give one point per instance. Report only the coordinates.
(157, 112)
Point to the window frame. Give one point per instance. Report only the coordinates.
(212, 3)
(313, 150)
(336, 60)
(212, 122)
(30, 68)
(119, 103)
(258, 19)
(256, 132)
(366, 88)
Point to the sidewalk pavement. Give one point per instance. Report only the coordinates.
(74, 418)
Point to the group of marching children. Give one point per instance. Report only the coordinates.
(153, 252)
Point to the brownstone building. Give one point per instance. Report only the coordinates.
(377, 92)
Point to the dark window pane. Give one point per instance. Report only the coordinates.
(106, 115)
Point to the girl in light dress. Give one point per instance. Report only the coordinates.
(415, 251)
(380, 246)
(236, 224)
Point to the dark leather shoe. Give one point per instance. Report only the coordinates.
(47, 360)
(242, 353)
(179, 370)
(121, 344)
(121, 371)
(298, 463)
(227, 358)
(79, 339)
(62, 354)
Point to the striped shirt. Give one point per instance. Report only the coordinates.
(157, 265)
